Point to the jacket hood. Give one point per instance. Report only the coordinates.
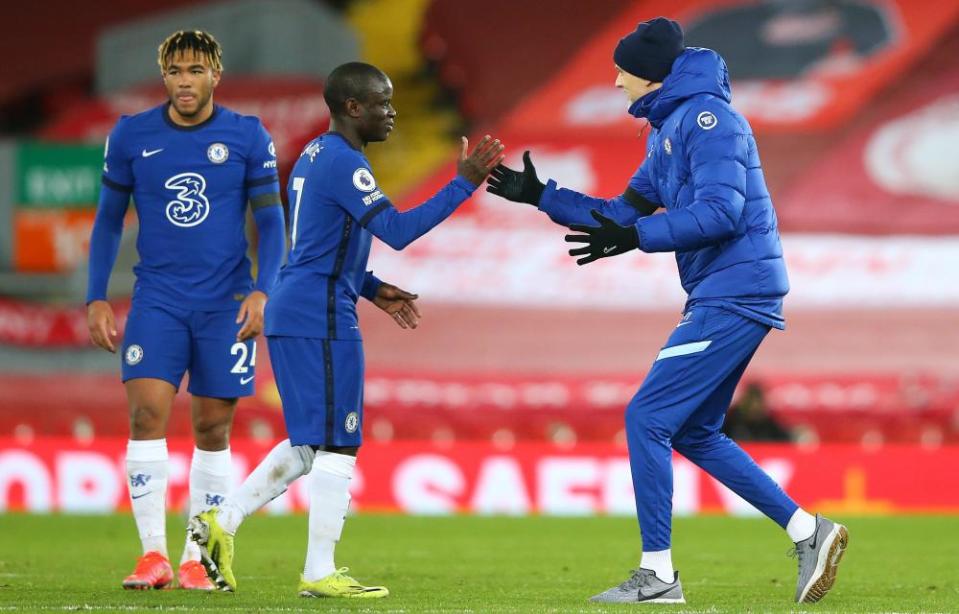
(696, 71)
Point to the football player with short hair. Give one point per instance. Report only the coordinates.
(312, 327)
(192, 168)
(702, 167)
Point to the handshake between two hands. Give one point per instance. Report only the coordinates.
(486, 162)
(607, 239)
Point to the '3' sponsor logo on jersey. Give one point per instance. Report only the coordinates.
(190, 207)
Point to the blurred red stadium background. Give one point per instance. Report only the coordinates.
(524, 363)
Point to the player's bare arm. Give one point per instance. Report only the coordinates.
(399, 304)
(476, 166)
(102, 325)
(251, 315)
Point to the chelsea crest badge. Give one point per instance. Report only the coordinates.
(217, 153)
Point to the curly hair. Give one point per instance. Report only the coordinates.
(201, 43)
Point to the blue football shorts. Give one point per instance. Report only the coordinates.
(164, 342)
(320, 382)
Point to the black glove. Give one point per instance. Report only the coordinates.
(607, 239)
(513, 185)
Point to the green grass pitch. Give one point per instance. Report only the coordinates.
(460, 564)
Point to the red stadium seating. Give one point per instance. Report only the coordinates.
(61, 50)
(483, 71)
(507, 408)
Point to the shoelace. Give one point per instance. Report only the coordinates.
(636, 580)
(798, 553)
(341, 572)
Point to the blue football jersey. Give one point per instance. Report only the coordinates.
(190, 186)
(336, 209)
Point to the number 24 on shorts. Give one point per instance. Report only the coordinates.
(242, 352)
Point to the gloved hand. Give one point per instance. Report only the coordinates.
(520, 187)
(607, 239)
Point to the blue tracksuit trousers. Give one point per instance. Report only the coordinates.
(682, 404)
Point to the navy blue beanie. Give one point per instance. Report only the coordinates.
(650, 51)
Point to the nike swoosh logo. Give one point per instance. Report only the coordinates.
(684, 323)
(147, 154)
(138, 496)
(606, 250)
(246, 380)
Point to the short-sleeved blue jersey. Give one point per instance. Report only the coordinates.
(335, 210)
(190, 186)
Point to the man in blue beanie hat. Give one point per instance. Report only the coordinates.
(701, 166)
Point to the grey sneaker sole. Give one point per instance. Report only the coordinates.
(680, 600)
(826, 566)
(597, 599)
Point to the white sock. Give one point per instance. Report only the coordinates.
(268, 481)
(801, 525)
(661, 562)
(329, 502)
(209, 484)
(147, 466)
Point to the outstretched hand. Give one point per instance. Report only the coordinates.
(607, 239)
(520, 187)
(477, 165)
(399, 304)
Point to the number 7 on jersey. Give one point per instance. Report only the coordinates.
(297, 186)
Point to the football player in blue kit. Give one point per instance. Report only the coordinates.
(336, 208)
(702, 166)
(192, 168)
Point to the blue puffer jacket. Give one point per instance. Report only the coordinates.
(703, 167)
